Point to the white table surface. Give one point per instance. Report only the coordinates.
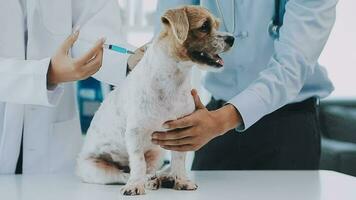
(222, 185)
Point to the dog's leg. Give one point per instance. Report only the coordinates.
(96, 170)
(134, 142)
(154, 160)
(177, 178)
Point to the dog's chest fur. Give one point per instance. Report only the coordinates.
(160, 89)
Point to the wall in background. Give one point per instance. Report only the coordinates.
(339, 55)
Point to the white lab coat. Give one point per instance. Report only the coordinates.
(48, 119)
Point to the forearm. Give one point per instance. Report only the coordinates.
(25, 82)
(227, 117)
(306, 28)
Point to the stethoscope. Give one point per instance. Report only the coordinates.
(273, 26)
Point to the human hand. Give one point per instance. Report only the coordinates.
(64, 68)
(192, 132)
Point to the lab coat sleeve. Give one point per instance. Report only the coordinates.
(25, 82)
(96, 19)
(307, 26)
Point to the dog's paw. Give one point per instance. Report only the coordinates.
(153, 183)
(177, 183)
(184, 184)
(133, 189)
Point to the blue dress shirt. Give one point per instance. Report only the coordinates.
(262, 74)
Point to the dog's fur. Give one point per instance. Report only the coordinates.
(158, 90)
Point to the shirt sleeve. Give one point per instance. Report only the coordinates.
(97, 19)
(25, 82)
(307, 26)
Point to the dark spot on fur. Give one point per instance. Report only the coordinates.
(127, 192)
(184, 187)
(126, 169)
(105, 158)
(167, 182)
(158, 183)
(160, 94)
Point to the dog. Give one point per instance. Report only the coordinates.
(156, 91)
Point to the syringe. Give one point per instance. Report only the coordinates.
(118, 49)
(111, 47)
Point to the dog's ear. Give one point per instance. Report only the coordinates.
(177, 20)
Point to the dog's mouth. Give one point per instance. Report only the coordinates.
(209, 59)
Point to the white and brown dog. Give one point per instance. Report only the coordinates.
(158, 90)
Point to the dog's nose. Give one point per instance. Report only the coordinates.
(230, 40)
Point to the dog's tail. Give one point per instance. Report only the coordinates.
(100, 171)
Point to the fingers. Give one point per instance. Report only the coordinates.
(181, 148)
(94, 65)
(197, 101)
(68, 43)
(172, 135)
(184, 122)
(183, 141)
(88, 56)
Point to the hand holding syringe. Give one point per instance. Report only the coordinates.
(64, 68)
(111, 47)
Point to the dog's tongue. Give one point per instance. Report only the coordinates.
(219, 60)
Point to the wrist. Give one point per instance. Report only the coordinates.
(227, 117)
(51, 77)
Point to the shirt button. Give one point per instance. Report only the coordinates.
(242, 34)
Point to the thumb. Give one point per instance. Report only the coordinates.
(68, 43)
(197, 101)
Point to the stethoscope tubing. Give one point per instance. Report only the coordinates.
(273, 26)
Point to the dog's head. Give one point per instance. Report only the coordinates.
(192, 35)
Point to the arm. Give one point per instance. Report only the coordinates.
(307, 25)
(25, 82)
(101, 18)
(35, 81)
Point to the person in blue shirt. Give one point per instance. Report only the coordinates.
(263, 111)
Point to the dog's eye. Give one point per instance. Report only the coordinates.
(205, 27)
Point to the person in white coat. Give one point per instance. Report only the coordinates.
(38, 65)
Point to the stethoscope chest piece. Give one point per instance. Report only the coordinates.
(273, 30)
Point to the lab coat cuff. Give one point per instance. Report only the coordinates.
(54, 95)
(49, 96)
(250, 106)
(114, 68)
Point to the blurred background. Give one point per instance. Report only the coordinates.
(337, 113)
